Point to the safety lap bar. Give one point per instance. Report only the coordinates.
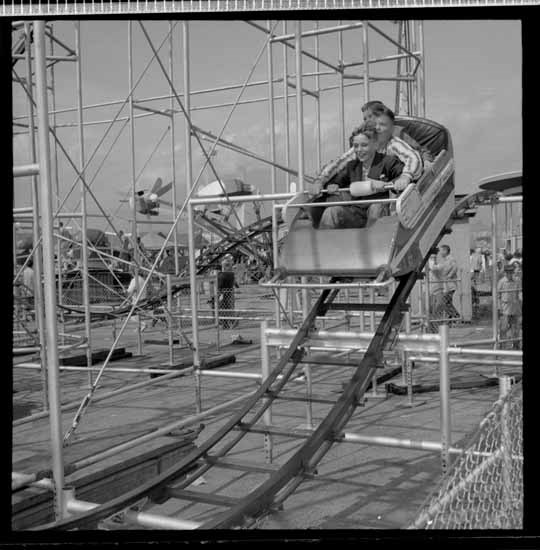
(274, 282)
(337, 203)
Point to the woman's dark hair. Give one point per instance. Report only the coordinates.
(385, 111)
(373, 105)
(368, 129)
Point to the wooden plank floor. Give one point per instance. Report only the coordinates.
(357, 484)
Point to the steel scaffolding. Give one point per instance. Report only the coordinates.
(408, 79)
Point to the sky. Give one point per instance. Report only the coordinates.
(473, 87)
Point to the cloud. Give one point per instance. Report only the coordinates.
(21, 148)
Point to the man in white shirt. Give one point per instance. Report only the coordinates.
(443, 269)
(478, 265)
(28, 278)
(135, 286)
(510, 299)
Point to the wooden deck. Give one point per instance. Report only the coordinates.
(358, 486)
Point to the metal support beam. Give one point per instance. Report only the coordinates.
(307, 54)
(173, 150)
(300, 134)
(320, 31)
(134, 228)
(365, 52)
(84, 220)
(36, 233)
(191, 234)
(48, 268)
(167, 113)
(444, 388)
(143, 519)
(25, 170)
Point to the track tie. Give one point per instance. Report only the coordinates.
(330, 362)
(275, 430)
(243, 465)
(364, 307)
(312, 399)
(206, 498)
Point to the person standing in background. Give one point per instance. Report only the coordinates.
(478, 265)
(510, 299)
(444, 273)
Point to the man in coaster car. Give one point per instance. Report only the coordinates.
(372, 109)
(391, 145)
(370, 169)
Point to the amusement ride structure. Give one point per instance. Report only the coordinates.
(388, 256)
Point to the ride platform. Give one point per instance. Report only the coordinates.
(356, 486)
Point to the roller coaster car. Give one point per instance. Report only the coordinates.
(394, 244)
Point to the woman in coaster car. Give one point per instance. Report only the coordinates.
(369, 167)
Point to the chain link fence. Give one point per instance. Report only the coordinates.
(444, 300)
(105, 287)
(484, 487)
(24, 326)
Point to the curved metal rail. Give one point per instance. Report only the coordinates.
(283, 481)
(207, 260)
(231, 240)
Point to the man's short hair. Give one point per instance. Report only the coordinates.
(446, 247)
(368, 129)
(376, 104)
(386, 112)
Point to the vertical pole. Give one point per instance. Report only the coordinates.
(300, 142)
(372, 313)
(494, 301)
(505, 383)
(398, 71)
(84, 219)
(422, 70)
(133, 180)
(446, 429)
(506, 232)
(415, 82)
(409, 375)
(365, 51)
(421, 308)
(56, 179)
(38, 288)
(15, 243)
(300, 134)
(309, 404)
(265, 371)
(191, 235)
(286, 106)
(341, 90)
(318, 151)
(408, 327)
(347, 314)
(272, 123)
(511, 227)
(215, 290)
(170, 319)
(410, 98)
(55, 418)
(427, 298)
(173, 151)
(361, 301)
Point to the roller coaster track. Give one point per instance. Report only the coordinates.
(230, 240)
(282, 480)
(212, 255)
